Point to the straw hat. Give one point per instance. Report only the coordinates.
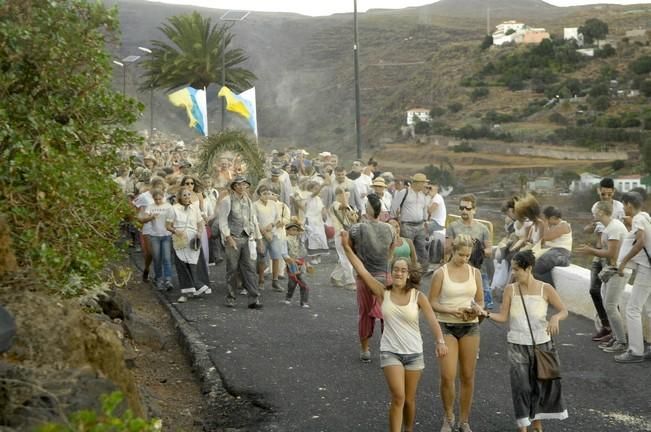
(419, 177)
(379, 181)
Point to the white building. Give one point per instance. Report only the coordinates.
(500, 37)
(570, 33)
(628, 182)
(421, 113)
(586, 181)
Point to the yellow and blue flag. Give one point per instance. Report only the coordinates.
(194, 102)
(242, 104)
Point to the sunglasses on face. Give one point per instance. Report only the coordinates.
(462, 208)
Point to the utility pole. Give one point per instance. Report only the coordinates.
(358, 126)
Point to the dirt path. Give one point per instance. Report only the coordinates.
(168, 386)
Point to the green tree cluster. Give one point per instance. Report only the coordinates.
(61, 130)
(593, 29)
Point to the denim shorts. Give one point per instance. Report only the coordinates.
(460, 330)
(408, 361)
(272, 249)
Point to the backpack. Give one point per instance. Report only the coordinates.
(477, 255)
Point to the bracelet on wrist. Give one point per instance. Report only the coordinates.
(440, 342)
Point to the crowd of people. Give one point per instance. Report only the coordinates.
(387, 232)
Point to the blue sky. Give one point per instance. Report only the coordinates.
(316, 8)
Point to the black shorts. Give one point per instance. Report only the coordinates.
(460, 330)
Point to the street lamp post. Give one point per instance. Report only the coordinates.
(229, 15)
(151, 100)
(123, 64)
(124, 76)
(358, 126)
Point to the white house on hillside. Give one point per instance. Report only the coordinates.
(421, 113)
(513, 31)
(628, 182)
(586, 181)
(622, 183)
(570, 33)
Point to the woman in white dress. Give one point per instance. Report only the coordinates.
(315, 212)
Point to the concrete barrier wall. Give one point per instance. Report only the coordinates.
(573, 285)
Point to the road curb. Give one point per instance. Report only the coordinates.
(224, 409)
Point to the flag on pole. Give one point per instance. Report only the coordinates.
(242, 104)
(194, 102)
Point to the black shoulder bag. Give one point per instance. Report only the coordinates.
(547, 363)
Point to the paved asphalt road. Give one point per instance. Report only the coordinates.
(303, 364)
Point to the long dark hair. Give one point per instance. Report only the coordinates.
(375, 203)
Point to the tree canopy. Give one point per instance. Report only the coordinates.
(593, 29)
(62, 127)
(193, 56)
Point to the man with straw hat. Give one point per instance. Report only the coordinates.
(409, 206)
(241, 235)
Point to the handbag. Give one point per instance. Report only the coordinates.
(547, 364)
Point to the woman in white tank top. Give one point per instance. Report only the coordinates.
(542, 398)
(457, 297)
(401, 345)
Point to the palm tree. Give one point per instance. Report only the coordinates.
(193, 56)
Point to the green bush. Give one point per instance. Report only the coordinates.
(618, 164)
(641, 66)
(108, 420)
(479, 93)
(464, 147)
(486, 43)
(600, 103)
(62, 130)
(455, 107)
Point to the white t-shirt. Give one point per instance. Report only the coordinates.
(618, 213)
(440, 214)
(157, 226)
(142, 201)
(614, 231)
(363, 184)
(642, 221)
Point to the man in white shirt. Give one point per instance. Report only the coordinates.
(640, 297)
(436, 225)
(409, 205)
(606, 192)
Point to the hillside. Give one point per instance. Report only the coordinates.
(411, 57)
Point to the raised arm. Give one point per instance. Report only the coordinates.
(376, 287)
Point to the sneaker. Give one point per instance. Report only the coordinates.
(351, 287)
(230, 303)
(610, 342)
(287, 302)
(203, 290)
(182, 299)
(629, 357)
(188, 291)
(260, 286)
(448, 424)
(305, 306)
(365, 356)
(145, 275)
(168, 285)
(602, 335)
(275, 285)
(617, 347)
(243, 292)
(464, 427)
(256, 305)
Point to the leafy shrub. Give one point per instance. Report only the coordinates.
(599, 89)
(486, 43)
(618, 164)
(62, 130)
(455, 107)
(641, 66)
(436, 112)
(558, 118)
(600, 103)
(422, 128)
(464, 147)
(645, 88)
(108, 420)
(478, 93)
(605, 52)
(492, 117)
